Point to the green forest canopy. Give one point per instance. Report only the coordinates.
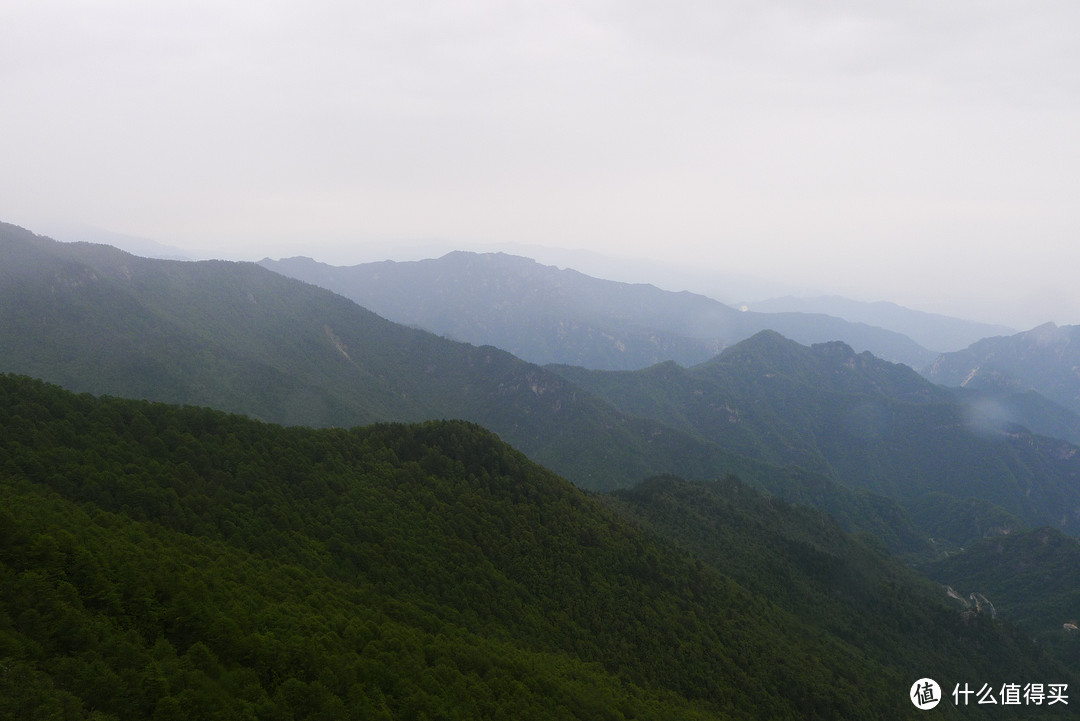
(174, 562)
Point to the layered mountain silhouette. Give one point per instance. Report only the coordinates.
(931, 330)
(170, 560)
(817, 425)
(1045, 359)
(860, 420)
(546, 315)
(240, 338)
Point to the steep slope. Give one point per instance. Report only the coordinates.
(173, 562)
(1045, 359)
(214, 333)
(799, 560)
(240, 338)
(547, 315)
(1032, 578)
(237, 337)
(861, 421)
(930, 330)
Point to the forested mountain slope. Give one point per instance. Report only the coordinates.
(1044, 359)
(1032, 577)
(999, 407)
(240, 338)
(547, 315)
(803, 562)
(861, 421)
(165, 562)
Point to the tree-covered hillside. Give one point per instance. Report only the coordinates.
(239, 338)
(236, 337)
(803, 562)
(1032, 577)
(169, 563)
(861, 421)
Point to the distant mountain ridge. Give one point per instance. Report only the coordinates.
(240, 338)
(1045, 359)
(937, 332)
(549, 315)
(797, 421)
(237, 337)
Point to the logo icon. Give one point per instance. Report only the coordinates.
(925, 694)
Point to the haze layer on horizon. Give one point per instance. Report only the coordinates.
(921, 152)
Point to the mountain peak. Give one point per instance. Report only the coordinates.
(292, 259)
(833, 366)
(834, 348)
(546, 314)
(768, 345)
(1043, 359)
(1050, 334)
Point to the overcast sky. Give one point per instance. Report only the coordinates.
(922, 152)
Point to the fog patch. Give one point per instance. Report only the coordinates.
(988, 417)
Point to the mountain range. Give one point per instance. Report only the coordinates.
(938, 332)
(444, 525)
(240, 338)
(541, 312)
(546, 315)
(549, 315)
(860, 420)
(817, 426)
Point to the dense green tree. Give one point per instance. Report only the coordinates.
(167, 562)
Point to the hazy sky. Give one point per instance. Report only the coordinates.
(923, 152)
